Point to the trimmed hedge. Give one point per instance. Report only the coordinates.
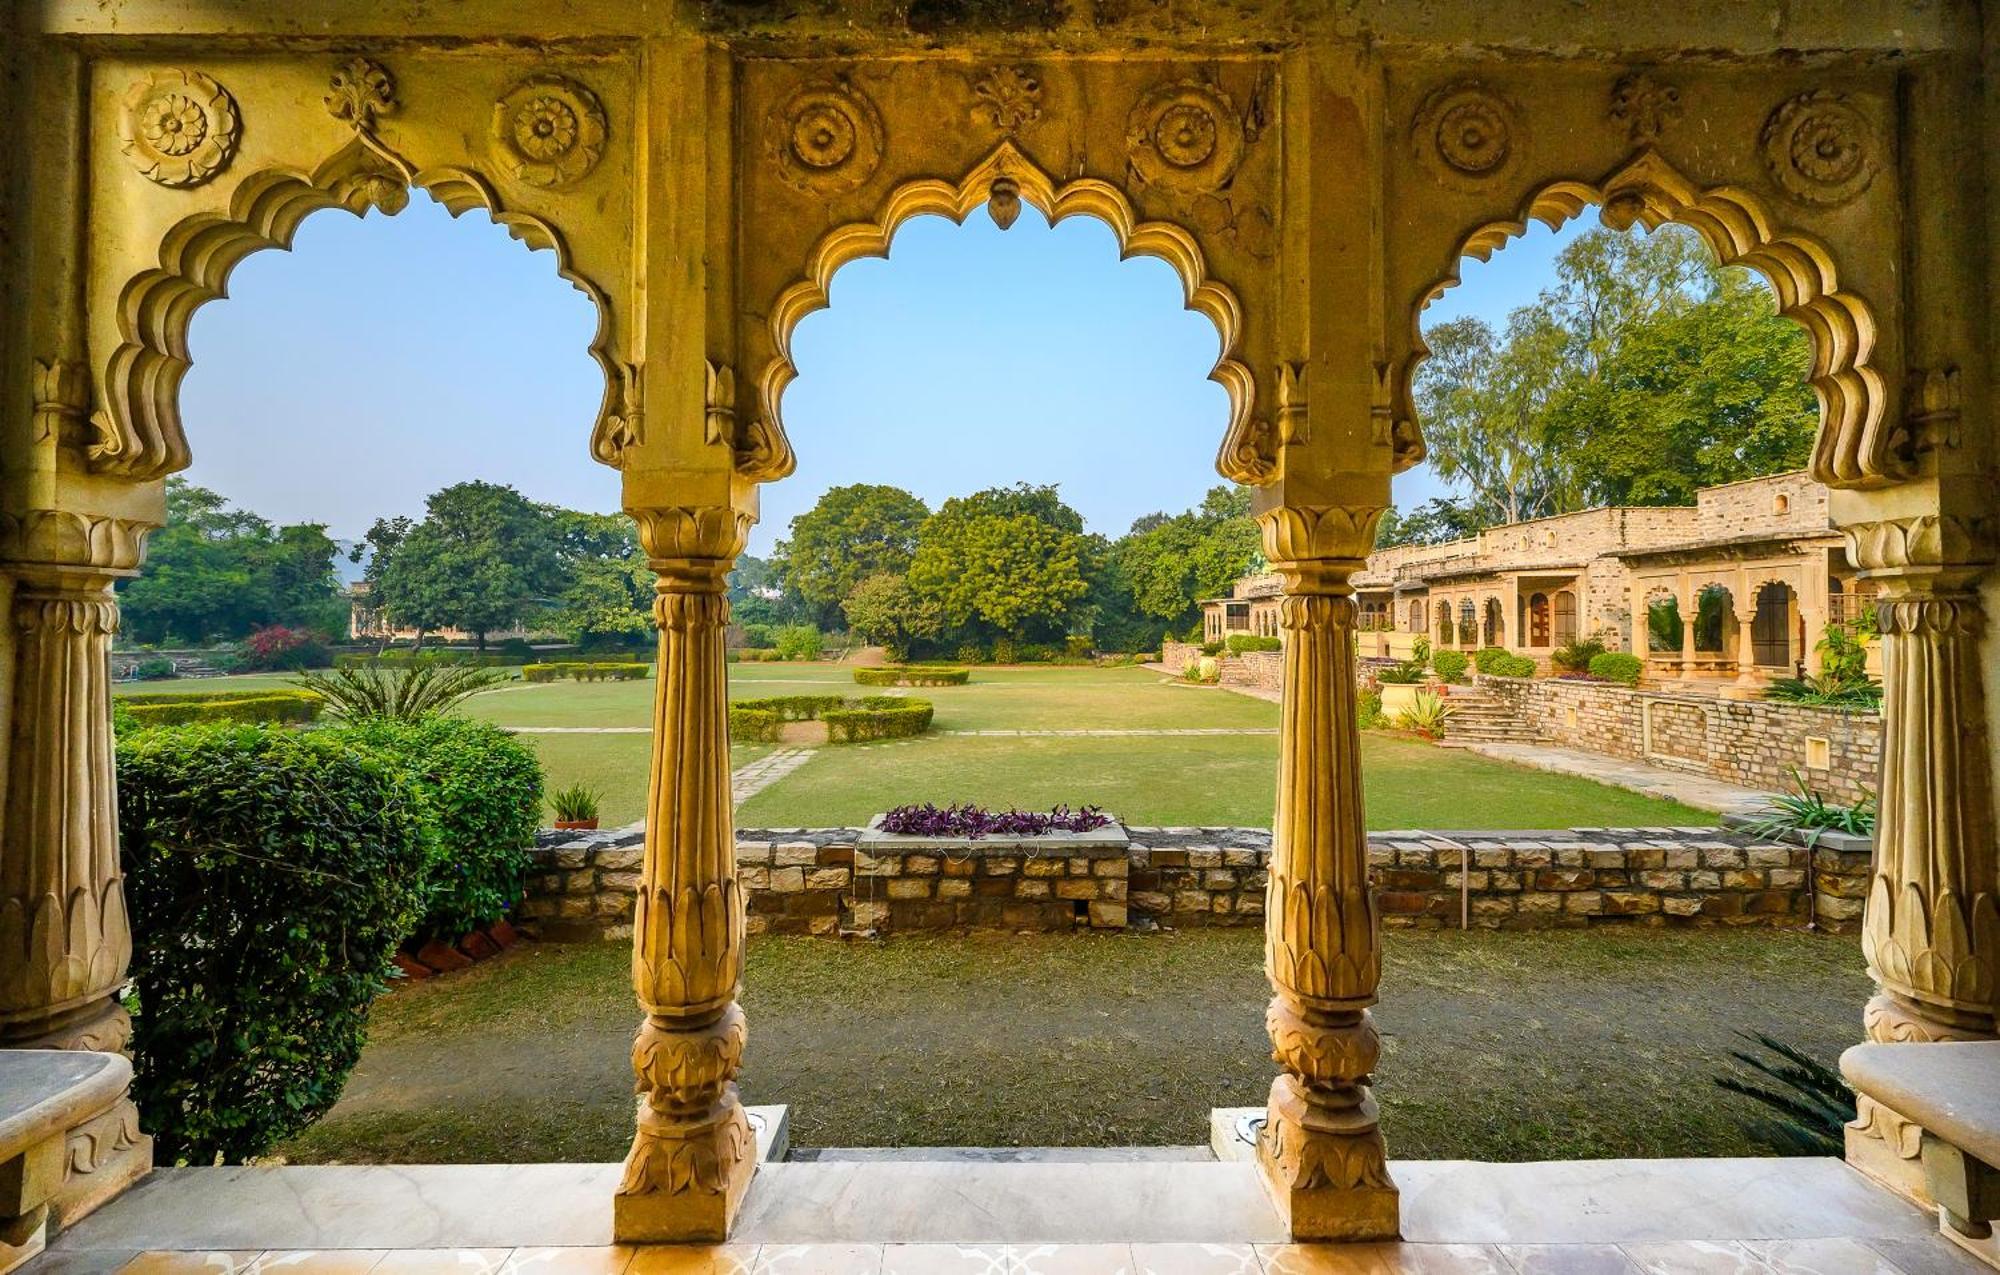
(1617, 666)
(847, 721)
(1450, 665)
(912, 675)
(754, 655)
(1494, 661)
(586, 671)
(183, 708)
(1238, 643)
(482, 794)
(270, 874)
(436, 655)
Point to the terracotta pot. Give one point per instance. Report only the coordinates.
(576, 825)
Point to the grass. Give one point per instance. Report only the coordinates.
(1520, 1046)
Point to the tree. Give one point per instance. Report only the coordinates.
(482, 556)
(218, 572)
(1644, 372)
(884, 609)
(1434, 522)
(1173, 563)
(852, 533)
(1010, 558)
(607, 596)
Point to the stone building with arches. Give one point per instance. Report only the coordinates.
(1315, 174)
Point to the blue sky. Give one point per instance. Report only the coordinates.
(384, 358)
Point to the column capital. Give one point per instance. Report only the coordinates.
(1922, 552)
(54, 542)
(1316, 548)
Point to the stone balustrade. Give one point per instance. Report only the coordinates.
(821, 881)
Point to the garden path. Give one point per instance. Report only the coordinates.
(758, 775)
(1698, 791)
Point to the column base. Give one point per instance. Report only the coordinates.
(106, 1155)
(1326, 1168)
(1885, 1148)
(684, 1182)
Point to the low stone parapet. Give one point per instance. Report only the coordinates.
(826, 881)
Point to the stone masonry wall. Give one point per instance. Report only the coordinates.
(1755, 743)
(1178, 655)
(818, 881)
(1263, 670)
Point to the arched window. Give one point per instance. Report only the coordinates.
(1772, 627)
(1416, 615)
(1468, 623)
(1540, 620)
(1663, 622)
(1714, 619)
(1496, 623)
(1445, 631)
(1565, 617)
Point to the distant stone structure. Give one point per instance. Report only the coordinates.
(1756, 569)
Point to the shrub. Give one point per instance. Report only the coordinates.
(574, 804)
(971, 653)
(588, 671)
(157, 669)
(1617, 666)
(1821, 691)
(1202, 671)
(516, 650)
(276, 647)
(1420, 650)
(1077, 647)
(269, 874)
(1403, 673)
(402, 656)
(1805, 811)
(1427, 714)
(753, 725)
(911, 675)
(878, 717)
(271, 706)
(1450, 666)
(421, 690)
(1575, 657)
(1370, 710)
(800, 642)
(1510, 666)
(1212, 648)
(1238, 643)
(760, 636)
(481, 790)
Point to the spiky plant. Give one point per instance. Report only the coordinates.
(1811, 1103)
(1805, 810)
(420, 690)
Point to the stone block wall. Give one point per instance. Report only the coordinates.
(1178, 655)
(1755, 743)
(820, 881)
(1262, 670)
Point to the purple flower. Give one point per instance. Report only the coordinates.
(974, 822)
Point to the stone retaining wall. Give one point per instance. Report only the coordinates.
(1755, 743)
(1260, 670)
(1178, 655)
(818, 881)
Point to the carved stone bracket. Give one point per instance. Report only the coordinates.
(62, 402)
(1931, 407)
(360, 93)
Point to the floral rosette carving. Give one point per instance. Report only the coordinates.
(1007, 98)
(1185, 135)
(179, 128)
(1466, 132)
(1820, 148)
(549, 131)
(828, 137)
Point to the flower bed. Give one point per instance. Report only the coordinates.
(975, 822)
(911, 675)
(843, 721)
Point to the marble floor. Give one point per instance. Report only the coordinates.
(1167, 1217)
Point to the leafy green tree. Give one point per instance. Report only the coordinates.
(1434, 522)
(852, 533)
(218, 572)
(1172, 563)
(607, 595)
(884, 609)
(483, 556)
(1644, 372)
(1010, 558)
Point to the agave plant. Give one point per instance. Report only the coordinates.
(1805, 810)
(404, 694)
(1427, 714)
(1811, 1101)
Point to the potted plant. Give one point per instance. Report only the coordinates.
(575, 807)
(1400, 684)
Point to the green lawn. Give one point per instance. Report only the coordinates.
(1171, 780)
(1515, 1046)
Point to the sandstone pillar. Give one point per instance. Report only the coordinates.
(1321, 1151)
(1746, 643)
(64, 942)
(693, 1156)
(1931, 933)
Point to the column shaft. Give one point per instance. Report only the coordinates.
(1321, 1151)
(694, 1154)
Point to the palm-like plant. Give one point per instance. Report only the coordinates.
(405, 694)
(1812, 1103)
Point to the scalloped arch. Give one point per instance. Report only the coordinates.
(1245, 455)
(1857, 445)
(138, 430)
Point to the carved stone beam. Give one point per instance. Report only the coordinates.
(1321, 1152)
(693, 1155)
(1931, 932)
(64, 942)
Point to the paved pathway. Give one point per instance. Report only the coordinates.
(753, 777)
(1164, 730)
(1698, 791)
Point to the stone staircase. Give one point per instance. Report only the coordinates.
(1479, 718)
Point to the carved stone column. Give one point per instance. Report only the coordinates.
(1931, 932)
(1746, 644)
(693, 1156)
(1321, 1151)
(64, 942)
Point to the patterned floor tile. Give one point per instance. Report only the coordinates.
(1696, 1257)
(1069, 1259)
(1195, 1259)
(442, 1261)
(1385, 1259)
(944, 1259)
(1567, 1259)
(190, 1263)
(694, 1259)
